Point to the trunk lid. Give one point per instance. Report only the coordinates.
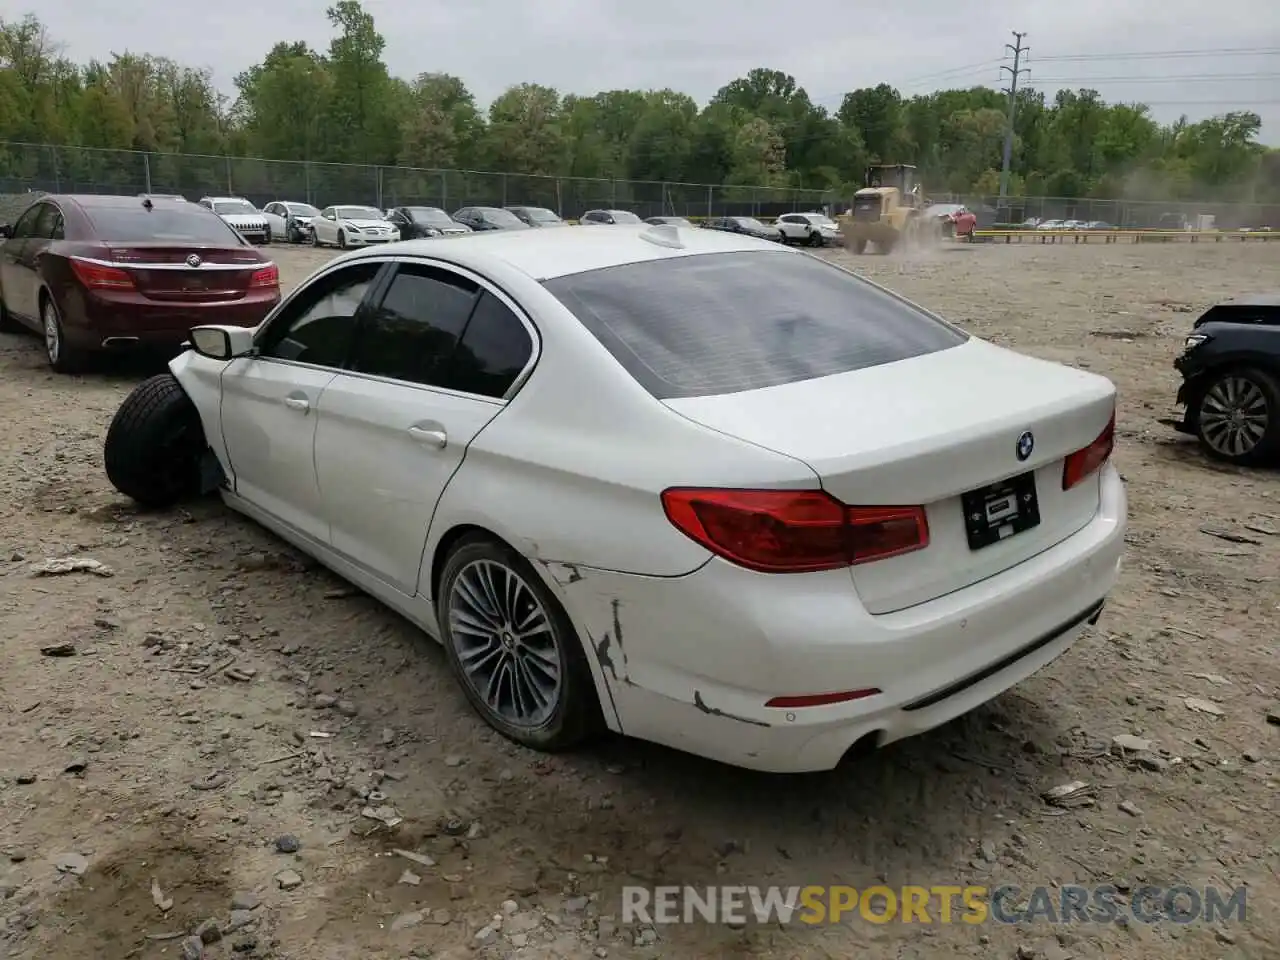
(925, 432)
(189, 274)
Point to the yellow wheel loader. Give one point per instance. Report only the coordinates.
(886, 212)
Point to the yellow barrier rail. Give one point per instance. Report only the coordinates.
(1127, 236)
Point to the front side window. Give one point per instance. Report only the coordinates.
(414, 331)
(318, 325)
(728, 322)
(26, 225)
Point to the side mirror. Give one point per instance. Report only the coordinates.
(6, 231)
(222, 343)
(211, 342)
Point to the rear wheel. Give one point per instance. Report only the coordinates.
(513, 648)
(155, 444)
(1238, 417)
(63, 357)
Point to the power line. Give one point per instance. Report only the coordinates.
(1163, 55)
(942, 74)
(1205, 78)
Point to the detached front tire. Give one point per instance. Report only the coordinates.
(1237, 416)
(513, 648)
(155, 444)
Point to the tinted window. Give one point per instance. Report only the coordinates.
(318, 325)
(494, 349)
(25, 227)
(176, 224)
(49, 216)
(429, 215)
(722, 323)
(415, 329)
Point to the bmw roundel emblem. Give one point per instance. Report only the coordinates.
(1026, 443)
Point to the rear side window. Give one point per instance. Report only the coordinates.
(727, 322)
(191, 224)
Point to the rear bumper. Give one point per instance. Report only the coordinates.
(99, 323)
(691, 661)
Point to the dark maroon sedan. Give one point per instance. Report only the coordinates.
(99, 273)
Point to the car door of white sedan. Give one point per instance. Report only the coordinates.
(430, 368)
(325, 226)
(271, 400)
(274, 214)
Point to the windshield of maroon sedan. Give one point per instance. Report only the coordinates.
(194, 225)
(721, 323)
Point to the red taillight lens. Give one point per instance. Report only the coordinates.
(1086, 461)
(95, 276)
(793, 531)
(266, 277)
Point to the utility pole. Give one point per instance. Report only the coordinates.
(1014, 73)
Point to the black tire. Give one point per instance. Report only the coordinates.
(63, 358)
(155, 444)
(315, 238)
(815, 238)
(1208, 407)
(575, 717)
(342, 240)
(266, 237)
(7, 323)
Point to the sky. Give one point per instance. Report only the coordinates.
(696, 46)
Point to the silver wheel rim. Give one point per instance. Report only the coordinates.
(505, 642)
(1234, 416)
(52, 339)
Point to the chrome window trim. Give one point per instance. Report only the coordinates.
(535, 335)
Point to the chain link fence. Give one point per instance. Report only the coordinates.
(60, 169)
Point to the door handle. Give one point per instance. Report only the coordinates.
(437, 438)
(297, 403)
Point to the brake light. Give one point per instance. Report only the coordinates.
(793, 531)
(96, 276)
(268, 276)
(1088, 460)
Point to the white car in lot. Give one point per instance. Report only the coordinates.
(352, 226)
(242, 216)
(814, 229)
(290, 220)
(730, 549)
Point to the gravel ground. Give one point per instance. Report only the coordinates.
(218, 731)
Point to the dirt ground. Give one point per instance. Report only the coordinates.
(219, 699)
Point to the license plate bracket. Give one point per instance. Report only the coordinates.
(1001, 510)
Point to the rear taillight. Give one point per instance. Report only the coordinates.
(1086, 461)
(266, 277)
(793, 531)
(96, 276)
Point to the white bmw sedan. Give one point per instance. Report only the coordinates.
(682, 484)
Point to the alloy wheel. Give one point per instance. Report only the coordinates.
(506, 643)
(52, 332)
(1234, 416)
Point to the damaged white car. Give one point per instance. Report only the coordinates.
(682, 484)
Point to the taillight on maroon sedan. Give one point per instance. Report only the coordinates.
(1088, 460)
(793, 531)
(268, 276)
(97, 276)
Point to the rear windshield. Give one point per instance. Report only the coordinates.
(192, 224)
(722, 323)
